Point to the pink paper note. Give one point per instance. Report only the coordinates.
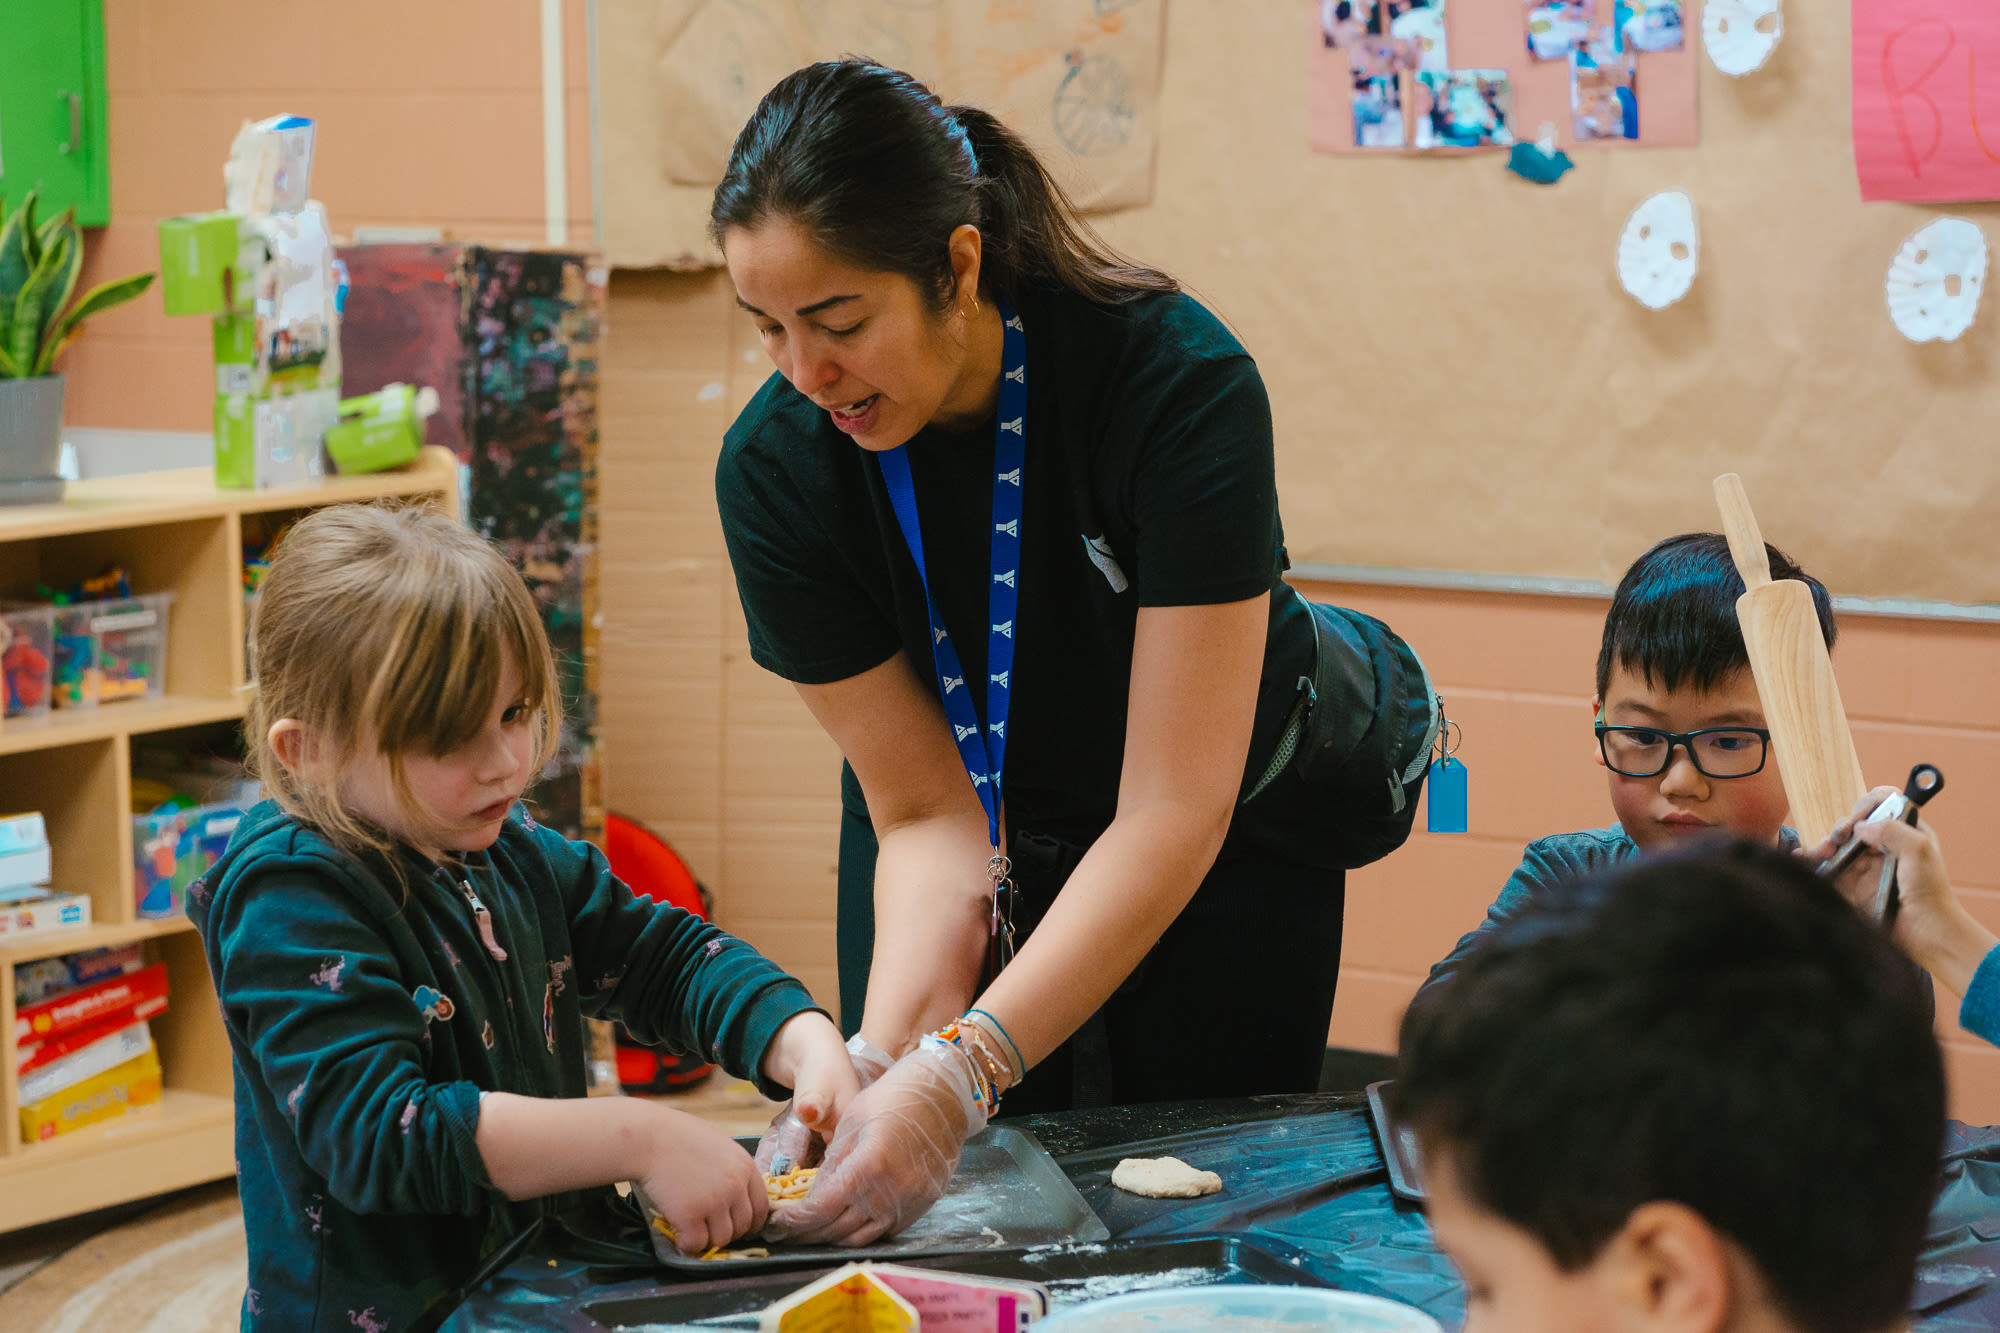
(1927, 99)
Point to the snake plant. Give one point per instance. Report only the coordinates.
(39, 265)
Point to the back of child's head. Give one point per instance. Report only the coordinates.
(387, 630)
(1718, 1029)
(1673, 618)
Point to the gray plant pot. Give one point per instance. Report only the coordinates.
(31, 419)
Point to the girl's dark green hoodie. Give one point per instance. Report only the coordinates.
(365, 1024)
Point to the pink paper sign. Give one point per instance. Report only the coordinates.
(1927, 99)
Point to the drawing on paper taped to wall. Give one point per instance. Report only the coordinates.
(1080, 82)
(1093, 108)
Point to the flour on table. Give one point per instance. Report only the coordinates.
(1164, 1178)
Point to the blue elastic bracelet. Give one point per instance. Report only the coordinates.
(1020, 1065)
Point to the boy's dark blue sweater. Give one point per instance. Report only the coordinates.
(365, 1024)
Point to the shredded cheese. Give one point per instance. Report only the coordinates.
(792, 1184)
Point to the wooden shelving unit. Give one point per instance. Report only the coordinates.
(172, 532)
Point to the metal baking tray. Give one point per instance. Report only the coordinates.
(1072, 1274)
(1007, 1193)
(1400, 1148)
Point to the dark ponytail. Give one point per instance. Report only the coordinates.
(880, 173)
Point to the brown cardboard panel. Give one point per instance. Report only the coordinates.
(782, 870)
(668, 474)
(650, 663)
(673, 530)
(689, 346)
(664, 597)
(659, 752)
(823, 984)
(648, 220)
(678, 80)
(779, 763)
(698, 843)
(675, 321)
(791, 944)
(747, 798)
(758, 697)
(654, 398)
(787, 935)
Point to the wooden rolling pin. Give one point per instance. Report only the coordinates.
(1794, 675)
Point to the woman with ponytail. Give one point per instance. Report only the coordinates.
(1007, 513)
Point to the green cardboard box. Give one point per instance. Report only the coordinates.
(198, 255)
(380, 430)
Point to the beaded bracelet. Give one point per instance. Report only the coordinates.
(991, 1066)
(983, 1090)
(1017, 1068)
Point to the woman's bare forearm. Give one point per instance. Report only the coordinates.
(933, 904)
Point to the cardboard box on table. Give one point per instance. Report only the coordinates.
(264, 269)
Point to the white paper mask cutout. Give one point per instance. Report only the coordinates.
(1741, 34)
(1935, 279)
(1660, 251)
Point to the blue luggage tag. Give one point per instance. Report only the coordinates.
(1446, 810)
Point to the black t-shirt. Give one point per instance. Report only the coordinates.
(1149, 481)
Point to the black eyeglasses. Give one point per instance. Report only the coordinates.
(1718, 752)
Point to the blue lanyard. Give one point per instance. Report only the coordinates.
(984, 752)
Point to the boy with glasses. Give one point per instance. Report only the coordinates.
(1680, 731)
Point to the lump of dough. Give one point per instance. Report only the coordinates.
(1164, 1178)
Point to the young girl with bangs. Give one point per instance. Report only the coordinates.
(405, 959)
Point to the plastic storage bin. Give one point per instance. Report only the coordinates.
(27, 650)
(111, 650)
(171, 848)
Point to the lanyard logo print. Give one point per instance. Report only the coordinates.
(982, 750)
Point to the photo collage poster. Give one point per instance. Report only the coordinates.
(1406, 94)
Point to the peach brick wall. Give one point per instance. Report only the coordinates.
(431, 115)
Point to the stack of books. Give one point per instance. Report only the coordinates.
(82, 1044)
(27, 904)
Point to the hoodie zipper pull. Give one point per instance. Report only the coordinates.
(484, 919)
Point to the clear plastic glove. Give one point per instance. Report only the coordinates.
(892, 1154)
(797, 1133)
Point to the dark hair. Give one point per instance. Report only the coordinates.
(1717, 1028)
(880, 173)
(1673, 618)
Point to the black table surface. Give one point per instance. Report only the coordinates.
(1306, 1175)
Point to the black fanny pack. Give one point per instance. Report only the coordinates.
(1358, 741)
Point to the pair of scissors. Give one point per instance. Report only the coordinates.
(1925, 782)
